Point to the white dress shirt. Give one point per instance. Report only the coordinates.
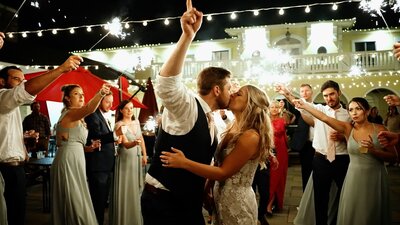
(12, 146)
(321, 129)
(180, 110)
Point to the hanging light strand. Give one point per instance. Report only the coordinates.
(145, 22)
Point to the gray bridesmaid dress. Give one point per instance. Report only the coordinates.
(69, 188)
(128, 183)
(365, 193)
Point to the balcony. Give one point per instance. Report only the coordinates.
(322, 64)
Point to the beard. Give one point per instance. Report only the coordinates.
(222, 103)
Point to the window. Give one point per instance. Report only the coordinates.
(322, 50)
(365, 59)
(364, 46)
(220, 55)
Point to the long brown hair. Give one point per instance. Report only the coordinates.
(119, 115)
(66, 89)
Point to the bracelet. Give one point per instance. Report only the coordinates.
(102, 93)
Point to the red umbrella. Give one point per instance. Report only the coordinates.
(89, 82)
(149, 99)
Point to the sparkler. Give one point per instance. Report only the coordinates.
(269, 67)
(374, 7)
(15, 15)
(115, 28)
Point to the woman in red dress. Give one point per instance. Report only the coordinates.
(278, 176)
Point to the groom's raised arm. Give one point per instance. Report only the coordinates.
(191, 22)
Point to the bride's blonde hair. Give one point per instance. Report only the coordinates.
(255, 116)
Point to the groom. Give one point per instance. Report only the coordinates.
(174, 196)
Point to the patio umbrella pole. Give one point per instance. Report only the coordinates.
(137, 91)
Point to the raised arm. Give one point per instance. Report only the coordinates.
(2, 36)
(38, 83)
(396, 51)
(190, 23)
(392, 100)
(308, 119)
(91, 106)
(340, 126)
(245, 149)
(282, 89)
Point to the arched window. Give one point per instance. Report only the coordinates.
(322, 50)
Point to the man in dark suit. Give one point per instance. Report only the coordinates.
(302, 139)
(100, 161)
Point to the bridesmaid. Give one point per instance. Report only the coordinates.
(70, 191)
(128, 174)
(364, 197)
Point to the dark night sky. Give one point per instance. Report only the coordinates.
(53, 49)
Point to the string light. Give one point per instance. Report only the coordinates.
(307, 10)
(166, 20)
(233, 15)
(334, 7)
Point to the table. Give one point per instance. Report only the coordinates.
(44, 164)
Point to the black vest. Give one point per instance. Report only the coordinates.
(196, 146)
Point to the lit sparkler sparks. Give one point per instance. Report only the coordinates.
(115, 28)
(269, 67)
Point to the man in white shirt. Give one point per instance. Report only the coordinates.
(326, 171)
(174, 196)
(16, 92)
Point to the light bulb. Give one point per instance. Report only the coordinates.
(166, 21)
(307, 10)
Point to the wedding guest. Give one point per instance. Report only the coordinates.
(331, 158)
(100, 161)
(71, 202)
(374, 116)
(128, 174)
(303, 134)
(17, 92)
(261, 185)
(358, 205)
(278, 176)
(392, 121)
(39, 123)
(246, 143)
(3, 208)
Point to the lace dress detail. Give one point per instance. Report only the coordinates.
(235, 200)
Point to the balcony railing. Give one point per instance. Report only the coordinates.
(369, 61)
